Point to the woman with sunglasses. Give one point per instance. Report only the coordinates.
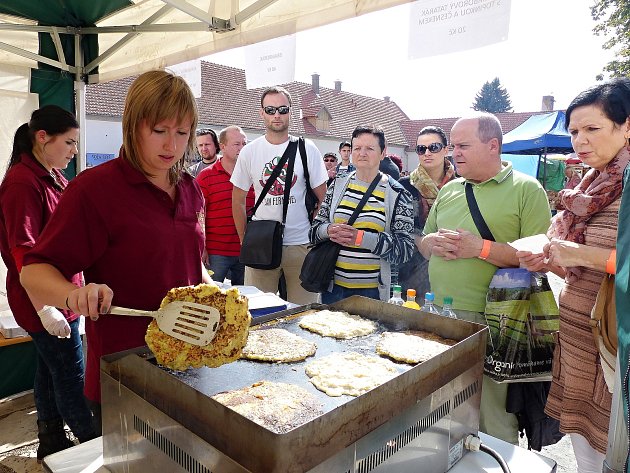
(433, 171)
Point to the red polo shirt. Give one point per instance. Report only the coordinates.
(28, 197)
(123, 231)
(221, 236)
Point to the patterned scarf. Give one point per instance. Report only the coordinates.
(428, 189)
(595, 192)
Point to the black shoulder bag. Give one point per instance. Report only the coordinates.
(311, 199)
(262, 242)
(318, 268)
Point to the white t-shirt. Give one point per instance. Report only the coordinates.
(254, 166)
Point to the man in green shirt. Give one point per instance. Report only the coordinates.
(461, 263)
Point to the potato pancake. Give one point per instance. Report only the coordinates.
(279, 407)
(413, 346)
(349, 373)
(277, 344)
(337, 324)
(228, 342)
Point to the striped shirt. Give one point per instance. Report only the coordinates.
(358, 268)
(221, 236)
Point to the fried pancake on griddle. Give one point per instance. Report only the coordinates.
(277, 344)
(413, 346)
(279, 407)
(230, 338)
(337, 324)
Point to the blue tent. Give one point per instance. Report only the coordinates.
(539, 135)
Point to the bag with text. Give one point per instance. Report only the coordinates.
(522, 317)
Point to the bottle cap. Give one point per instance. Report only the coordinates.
(397, 288)
(448, 300)
(411, 292)
(429, 296)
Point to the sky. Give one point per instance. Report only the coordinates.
(550, 50)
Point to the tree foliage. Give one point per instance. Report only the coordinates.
(492, 98)
(614, 23)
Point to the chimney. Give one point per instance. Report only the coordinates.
(315, 82)
(337, 86)
(547, 103)
(386, 98)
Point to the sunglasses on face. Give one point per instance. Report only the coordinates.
(433, 147)
(282, 110)
(329, 160)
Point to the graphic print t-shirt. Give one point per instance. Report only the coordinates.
(255, 165)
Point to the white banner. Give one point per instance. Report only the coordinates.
(270, 62)
(190, 71)
(442, 27)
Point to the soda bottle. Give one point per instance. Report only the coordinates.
(447, 308)
(396, 298)
(411, 300)
(428, 304)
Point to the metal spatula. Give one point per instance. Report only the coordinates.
(186, 321)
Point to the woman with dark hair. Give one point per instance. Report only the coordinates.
(423, 183)
(29, 194)
(133, 225)
(582, 250)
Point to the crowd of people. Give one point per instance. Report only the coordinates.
(78, 247)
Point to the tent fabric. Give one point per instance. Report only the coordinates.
(138, 35)
(539, 134)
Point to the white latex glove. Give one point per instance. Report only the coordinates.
(54, 322)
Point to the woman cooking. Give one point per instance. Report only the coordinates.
(29, 193)
(382, 233)
(582, 250)
(131, 225)
(433, 171)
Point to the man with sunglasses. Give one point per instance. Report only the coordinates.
(254, 166)
(461, 262)
(330, 161)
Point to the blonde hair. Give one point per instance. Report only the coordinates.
(153, 97)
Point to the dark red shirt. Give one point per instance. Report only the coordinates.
(221, 236)
(123, 231)
(28, 197)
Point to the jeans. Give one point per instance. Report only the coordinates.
(340, 292)
(59, 376)
(220, 265)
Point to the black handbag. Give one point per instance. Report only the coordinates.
(311, 199)
(318, 268)
(262, 242)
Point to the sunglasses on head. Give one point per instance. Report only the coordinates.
(282, 110)
(433, 147)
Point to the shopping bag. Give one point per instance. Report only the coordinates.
(522, 317)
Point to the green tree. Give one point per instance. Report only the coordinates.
(614, 17)
(492, 98)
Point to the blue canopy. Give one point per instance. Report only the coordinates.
(538, 135)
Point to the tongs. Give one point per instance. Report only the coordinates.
(186, 321)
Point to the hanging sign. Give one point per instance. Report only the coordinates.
(270, 62)
(190, 71)
(442, 27)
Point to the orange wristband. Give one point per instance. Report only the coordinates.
(611, 262)
(359, 238)
(485, 250)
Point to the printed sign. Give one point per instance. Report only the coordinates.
(190, 71)
(270, 62)
(94, 159)
(442, 27)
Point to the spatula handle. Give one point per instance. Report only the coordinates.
(133, 312)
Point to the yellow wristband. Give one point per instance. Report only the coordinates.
(485, 250)
(611, 262)
(359, 238)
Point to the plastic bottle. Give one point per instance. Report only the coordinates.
(428, 304)
(447, 308)
(396, 298)
(411, 300)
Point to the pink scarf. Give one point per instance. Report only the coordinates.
(596, 191)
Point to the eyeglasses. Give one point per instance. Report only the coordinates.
(433, 147)
(282, 110)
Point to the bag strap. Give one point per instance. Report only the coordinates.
(480, 223)
(287, 185)
(307, 176)
(290, 150)
(364, 199)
